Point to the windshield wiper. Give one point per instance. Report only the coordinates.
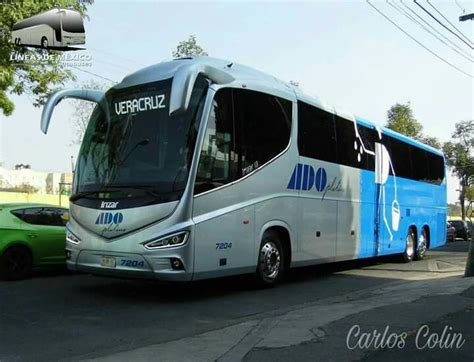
(80, 195)
(146, 188)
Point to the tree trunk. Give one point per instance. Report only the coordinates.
(470, 257)
(462, 194)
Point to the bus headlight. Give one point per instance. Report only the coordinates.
(168, 241)
(71, 238)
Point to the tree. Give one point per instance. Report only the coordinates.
(460, 158)
(36, 79)
(401, 119)
(433, 142)
(83, 110)
(188, 47)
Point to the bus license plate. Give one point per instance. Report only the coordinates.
(108, 262)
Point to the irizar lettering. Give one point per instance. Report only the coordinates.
(142, 104)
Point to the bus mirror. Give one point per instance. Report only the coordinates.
(183, 83)
(92, 95)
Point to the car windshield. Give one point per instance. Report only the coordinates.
(135, 148)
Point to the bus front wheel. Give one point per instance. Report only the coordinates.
(44, 42)
(271, 260)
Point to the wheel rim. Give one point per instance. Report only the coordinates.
(422, 245)
(45, 43)
(17, 262)
(270, 260)
(410, 246)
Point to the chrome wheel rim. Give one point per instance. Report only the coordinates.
(45, 43)
(410, 246)
(422, 246)
(270, 260)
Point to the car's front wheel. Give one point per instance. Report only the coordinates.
(16, 263)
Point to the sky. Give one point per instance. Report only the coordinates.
(341, 51)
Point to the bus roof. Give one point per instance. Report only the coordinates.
(242, 73)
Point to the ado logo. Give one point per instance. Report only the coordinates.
(108, 218)
(305, 178)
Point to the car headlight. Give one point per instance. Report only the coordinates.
(71, 238)
(168, 241)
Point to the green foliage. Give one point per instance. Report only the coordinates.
(25, 188)
(401, 119)
(454, 210)
(188, 47)
(36, 80)
(460, 158)
(433, 142)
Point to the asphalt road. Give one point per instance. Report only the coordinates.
(69, 317)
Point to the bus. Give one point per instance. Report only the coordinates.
(199, 168)
(56, 28)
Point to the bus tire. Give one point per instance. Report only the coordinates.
(408, 254)
(271, 260)
(421, 245)
(16, 263)
(18, 42)
(44, 42)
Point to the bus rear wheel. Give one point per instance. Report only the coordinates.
(271, 260)
(409, 252)
(44, 42)
(421, 246)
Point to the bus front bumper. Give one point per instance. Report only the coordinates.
(128, 265)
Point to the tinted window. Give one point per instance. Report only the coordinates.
(420, 164)
(413, 162)
(43, 216)
(72, 22)
(436, 167)
(348, 151)
(367, 137)
(400, 155)
(245, 130)
(316, 133)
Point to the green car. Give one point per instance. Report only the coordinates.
(32, 236)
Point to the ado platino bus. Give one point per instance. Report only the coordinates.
(198, 168)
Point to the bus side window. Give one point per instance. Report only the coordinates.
(316, 133)
(245, 130)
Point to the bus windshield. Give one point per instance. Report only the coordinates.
(72, 22)
(135, 149)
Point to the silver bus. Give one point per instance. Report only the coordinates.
(56, 28)
(199, 168)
